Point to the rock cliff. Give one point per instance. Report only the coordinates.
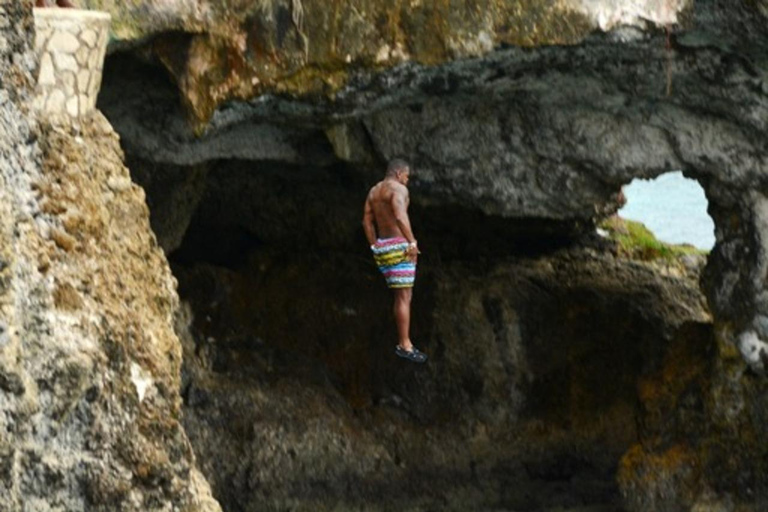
(561, 375)
(89, 362)
(529, 401)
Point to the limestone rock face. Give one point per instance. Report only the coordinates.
(89, 362)
(547, 132)
(236, 50)
(138, 19)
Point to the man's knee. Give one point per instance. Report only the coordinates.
(403, 295)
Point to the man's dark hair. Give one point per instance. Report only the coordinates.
(396, 164)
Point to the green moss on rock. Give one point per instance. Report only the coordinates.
(636, 241)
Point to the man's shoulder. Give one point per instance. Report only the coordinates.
(399, 188)
(392, 185)
(374, 189)
(386, 189)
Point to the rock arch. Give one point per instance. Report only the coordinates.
(542, 139)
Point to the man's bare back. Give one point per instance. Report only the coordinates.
(388, 198)
(386, 210)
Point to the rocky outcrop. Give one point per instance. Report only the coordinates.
(539, 369)
(546, 367)
(89, 362)
(236, 51)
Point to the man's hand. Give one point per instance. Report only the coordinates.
(412, 253)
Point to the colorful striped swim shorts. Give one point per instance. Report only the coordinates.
(398, 270)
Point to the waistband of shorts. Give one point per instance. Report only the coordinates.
(391, 241)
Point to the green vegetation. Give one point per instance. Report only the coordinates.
(635, 241)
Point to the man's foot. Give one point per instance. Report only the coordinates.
(412, 355)
(41, 3)
(65, 3)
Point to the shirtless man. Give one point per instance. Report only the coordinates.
(388, 229)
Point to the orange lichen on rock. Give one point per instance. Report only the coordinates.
(686, 363)
(648, 470)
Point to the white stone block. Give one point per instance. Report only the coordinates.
(95, 85)
(103, 34)
(47, 76)
(63, 42)
(64, 61)
(41, 38)
(82, 55)
(68, 45)
(72, 107)
(85, 104)
(89, 37)
(82, 80)
(102, 55)
(74, 26)
(55, 103)
(68, 83)
(93, 60)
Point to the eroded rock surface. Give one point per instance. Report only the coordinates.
(566, 359)
(89, 361)
(238, 50)
(546, 133)
(530, 398)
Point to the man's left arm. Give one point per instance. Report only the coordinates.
(400, 202)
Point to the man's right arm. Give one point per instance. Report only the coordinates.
(368, 227)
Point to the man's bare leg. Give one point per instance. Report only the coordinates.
(403, 316)
(40, 3)
(65, 3)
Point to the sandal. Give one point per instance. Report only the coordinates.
(412, 355)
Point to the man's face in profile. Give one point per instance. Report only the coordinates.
(404, 175)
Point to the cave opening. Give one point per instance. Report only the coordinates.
(546, 354)
(532, 353)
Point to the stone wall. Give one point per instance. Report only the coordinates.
(71, 45)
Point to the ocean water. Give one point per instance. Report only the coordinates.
(673, 207)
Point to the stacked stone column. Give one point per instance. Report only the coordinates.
(71, 44)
